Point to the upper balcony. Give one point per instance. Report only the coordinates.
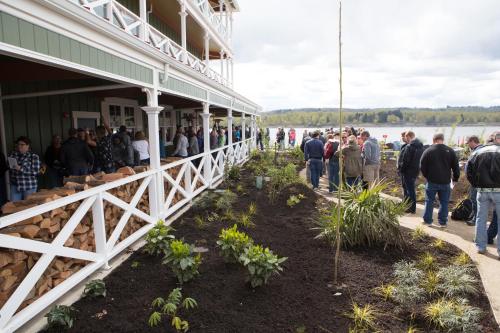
(161, 24)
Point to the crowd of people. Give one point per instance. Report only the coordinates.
(86, 152)
(437, 163)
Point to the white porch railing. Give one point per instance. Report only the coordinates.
(121, 17)
(214, 18)
(185, 179)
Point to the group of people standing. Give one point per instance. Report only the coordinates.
(281, 138)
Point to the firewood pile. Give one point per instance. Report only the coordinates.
(15, 265)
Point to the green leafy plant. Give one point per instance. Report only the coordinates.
(367, 219)
(181, 258)
(245, 219)
(364, 318)
(158, 239)
(294, 200)
(407, 290)
(234, 173)
(418, 234)
(95, 288)
(134, 264)
(170, 308)
(426, 262)
(261, 264)
(213, 217)
(462, 259)
(456, 281)
(225, 200)
(407, 273)
(453, 315)
(385, 291)
(61, 316)
(439, 244)
(200, 222)
(281, 178)
(232, 243)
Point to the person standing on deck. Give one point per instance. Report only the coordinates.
(127, 143)
(437, 163)
(409, 168)
(76, 155)
(23, 176)
(181, 150)
(104, 150)
(371, 158)
(483, 172)
(474, 144)
(52, 159)
(313, 154)
(141, 145)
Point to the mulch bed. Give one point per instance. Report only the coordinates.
(301, 297)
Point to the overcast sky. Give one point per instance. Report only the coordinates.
(415, 53)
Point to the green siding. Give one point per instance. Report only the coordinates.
(214, 98)
(21, 33)
(132, 5)
(185, 88)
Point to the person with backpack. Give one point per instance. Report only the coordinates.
(25, 170)
(331, 146)
(409, 168)
(437, 163)
(483, 170)
(474, 144)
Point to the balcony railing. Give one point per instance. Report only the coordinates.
(123, 18)
(213, 17)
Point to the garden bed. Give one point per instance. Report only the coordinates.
(301, 299)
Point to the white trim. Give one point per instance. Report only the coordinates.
(85, 115)
(122, 102)
(65, 91)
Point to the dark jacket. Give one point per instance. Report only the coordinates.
(75, 153)
(409, 158)
(437, 162)
(303, 144)
(314, 149)
(483, 168)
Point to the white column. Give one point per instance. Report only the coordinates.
(227, 71)
(226, 14)
(243, 127)
(230, 33)
(183, 14)
(230, 127)
(143, 13)
(232, 73)
(207, 51)
(252, 130)
(222, 63)
(207, 168)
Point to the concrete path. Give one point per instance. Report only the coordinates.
(458, 234)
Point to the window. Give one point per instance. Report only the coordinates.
(129, 116)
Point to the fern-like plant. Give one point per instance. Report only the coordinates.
(232, 243)
(456, 281)
(95, 288)
(61, 316)
(182, 259)
(261, 264)
(158, 239)
(453, 315)
(170, 307)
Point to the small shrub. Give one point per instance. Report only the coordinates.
(229, 215)
(453, 315)
(213, 217)
(282, 178)
(407, 273)
(426, 262)
(408, 295)
(200, 222)
(234, 173)
(261, 263)
(364, 318)
(240, 189)
(245, 219)
(61, 316)
(181, 258)
(252, 209)
(431, 283)
(95, 288)
(158, 239)
(170, 307)
(456, 281)
(232, 243)
(418, 234)
(294, 200)
(225, 200)
(462, 259)
(439, 244)
(385, 291)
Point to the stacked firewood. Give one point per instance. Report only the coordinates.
(15, 265)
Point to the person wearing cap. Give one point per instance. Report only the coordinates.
(483, 170)
(474, 144)
(313, 154)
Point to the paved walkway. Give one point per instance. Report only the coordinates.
(458, 234)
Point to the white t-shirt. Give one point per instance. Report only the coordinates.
(182, 146)
(142, 146)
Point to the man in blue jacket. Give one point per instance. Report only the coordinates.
(313, 154)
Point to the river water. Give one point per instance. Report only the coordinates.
(424, 133)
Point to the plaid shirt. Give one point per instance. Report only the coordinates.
(104, 155)
(25, 178)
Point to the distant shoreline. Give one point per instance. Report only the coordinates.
(386, 125)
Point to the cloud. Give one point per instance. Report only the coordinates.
(428, 53)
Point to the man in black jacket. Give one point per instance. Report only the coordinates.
(483, 172)
(474, 144)
(409, 168)
(76, 155)
(436, 165)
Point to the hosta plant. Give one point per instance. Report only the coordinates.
(61, 316)
(261, 264)
(158, 239)
(170, 307)
(95, 288)
(456, 280)
(182, 259)
(232, 243)
(453, 315)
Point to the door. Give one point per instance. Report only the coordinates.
(86, 120)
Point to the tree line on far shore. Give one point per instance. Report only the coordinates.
(384, 116)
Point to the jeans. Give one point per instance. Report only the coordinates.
(16, 195)
(316, 166)
(473, 198)
(483, 205)
(333, 175)
(493, 227)
(443, 191)
(353, 181)
(76, 171)
(409, 191)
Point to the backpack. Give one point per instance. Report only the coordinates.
(330, 149)
(463, 211)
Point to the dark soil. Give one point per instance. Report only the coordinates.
(388, 171)
(301, 297)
